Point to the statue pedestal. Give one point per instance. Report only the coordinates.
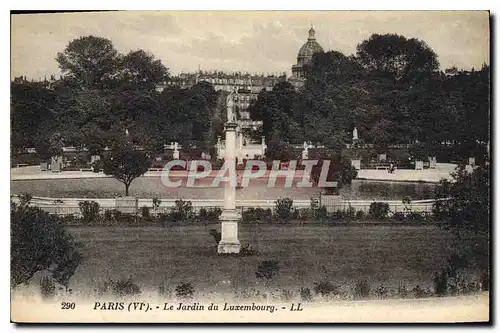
(229, 218)
(229, 242)
(356, 163)
(56, 163)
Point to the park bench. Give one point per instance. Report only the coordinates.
(20, 165)
(86, 169)
(377, 167)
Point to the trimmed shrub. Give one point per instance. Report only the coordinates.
(283, 208)
(361, 289)
(68, 219)
(416, 217)
(305, 294)
(184, 290)
(418, 292)
(182, 211)
(360, 215)
(399, 216)
(338, 215)
(381, 292)
(267, 269)
(326, 288)
(350, 214)
(210, 214)
(145, 212)
(378, 210)
(124, 287)
(108, 216)
(257, 214)
(47, 287)
(89, 210)
(402, 291)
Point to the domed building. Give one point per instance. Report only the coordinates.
(305, 55)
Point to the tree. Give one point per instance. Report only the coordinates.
(334, 98)
(141, 70)
(279, 113)
(463, 207)
(467, 204)
(126, 164)
(278, 149)
(32, 117)
(186, 114)
(340, 170)
(40, 242)
(399, 78)
(398, 58)
(89, 62)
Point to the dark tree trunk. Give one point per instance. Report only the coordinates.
(126, 189)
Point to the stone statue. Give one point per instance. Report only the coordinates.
(305, 152)
(231, 117)
(176, 153)
(355, 134)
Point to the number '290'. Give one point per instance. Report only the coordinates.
(67, 305)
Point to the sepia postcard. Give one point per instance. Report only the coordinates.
(250, 167)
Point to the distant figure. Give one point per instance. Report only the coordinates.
(391, 168)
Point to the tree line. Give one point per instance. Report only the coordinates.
(102, 96)
(392, 91)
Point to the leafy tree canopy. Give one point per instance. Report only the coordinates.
(125, 163)
(40, 242)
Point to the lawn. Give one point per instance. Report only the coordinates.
(148, 187)
(151, 256)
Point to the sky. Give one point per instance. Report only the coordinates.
(255, 42)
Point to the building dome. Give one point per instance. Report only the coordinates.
(308, 49)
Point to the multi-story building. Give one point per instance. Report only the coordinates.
(248, 86)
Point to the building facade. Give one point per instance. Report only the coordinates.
(248, 86)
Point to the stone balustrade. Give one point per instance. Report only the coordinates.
(69, 206)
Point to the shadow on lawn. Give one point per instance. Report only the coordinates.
(245, 251)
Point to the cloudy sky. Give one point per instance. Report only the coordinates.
(242, 41)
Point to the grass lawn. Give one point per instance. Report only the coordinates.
(148, 187)
(388, 255)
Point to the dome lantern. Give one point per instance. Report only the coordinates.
(305, 54)
(311, 34)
